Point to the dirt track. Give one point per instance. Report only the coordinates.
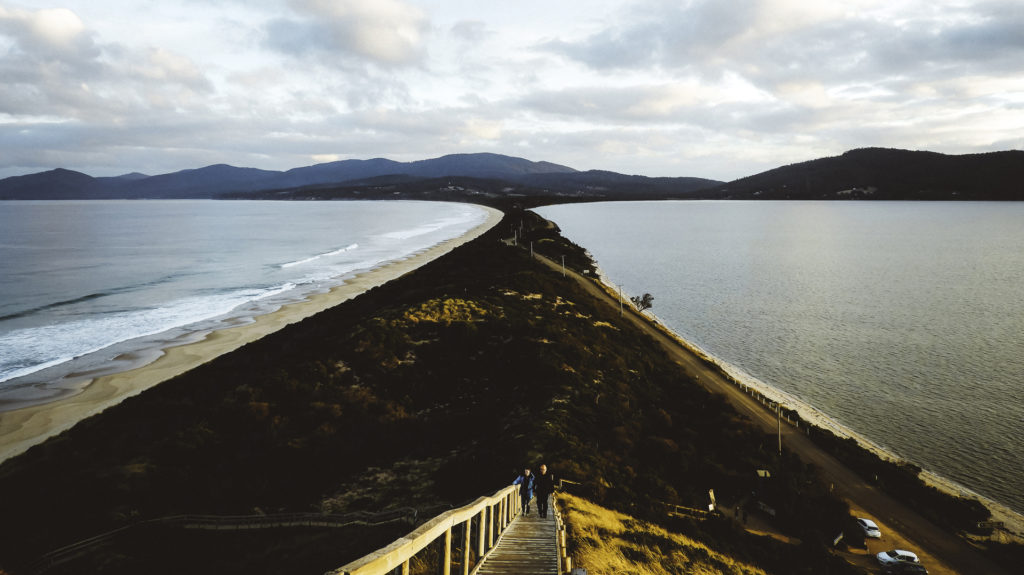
(941, 552)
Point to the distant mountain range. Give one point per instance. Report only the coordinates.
(223, 181)
(888, 174)
(870, 173)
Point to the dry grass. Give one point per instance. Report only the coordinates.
(448, 311)
(606, 542)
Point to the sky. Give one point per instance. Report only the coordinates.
(719, 89)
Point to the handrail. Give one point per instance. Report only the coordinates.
(495, 513)
(562, 538)
(676, 510)
(224, 522)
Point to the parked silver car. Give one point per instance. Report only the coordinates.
(897, 556)
(869, 527)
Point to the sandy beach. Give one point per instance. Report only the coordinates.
(20, 429)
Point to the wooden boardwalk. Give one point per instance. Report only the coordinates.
(528, 547)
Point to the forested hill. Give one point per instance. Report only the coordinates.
(491, 174)
(863, 174)
(887, 174)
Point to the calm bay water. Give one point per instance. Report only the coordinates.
(82, 283)
(901, 321)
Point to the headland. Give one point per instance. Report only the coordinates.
(431, 389)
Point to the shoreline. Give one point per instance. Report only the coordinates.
(1012, 520)
(23, 428)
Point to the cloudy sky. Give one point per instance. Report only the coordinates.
(712, 88)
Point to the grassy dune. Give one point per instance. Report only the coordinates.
(604, 541)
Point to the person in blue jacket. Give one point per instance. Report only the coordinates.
(525, 483)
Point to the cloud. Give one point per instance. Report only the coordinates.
(52, 34)
(773, 41)
(809, 68)
(57, 68)
(162, 65)
(658, 34)
(70, 99)
(388, 33)
(51, 44)
(691, 87)
(985, 39)
(472, 31)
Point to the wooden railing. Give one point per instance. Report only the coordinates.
(226, 522)
(487, 517)
(674, 510)
(564, 560)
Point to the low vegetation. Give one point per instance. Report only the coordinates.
(606, 542)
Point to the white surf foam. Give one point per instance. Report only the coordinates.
(33, 349)
(320, 256)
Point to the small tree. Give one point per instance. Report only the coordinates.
(643, 302)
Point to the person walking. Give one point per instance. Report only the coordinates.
(525, 483)
(544, 485)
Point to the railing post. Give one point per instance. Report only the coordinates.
(482, 533)
(490, 526)
(446, 567)
(566, 560)
(465, 546)
(509, 513)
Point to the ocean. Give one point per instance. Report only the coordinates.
(96, 287)
(901, 323)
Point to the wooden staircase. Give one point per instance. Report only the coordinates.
(486, 537)
(528, 547)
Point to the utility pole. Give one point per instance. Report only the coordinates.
(563, 266)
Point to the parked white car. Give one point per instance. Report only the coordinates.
(870, 528)
(896, 556)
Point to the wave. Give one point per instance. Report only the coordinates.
(54, 305)
(319, 256)
(428, 228)
(94, 296)
(113, 325)
(29, 350)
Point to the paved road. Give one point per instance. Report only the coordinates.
(941, 552)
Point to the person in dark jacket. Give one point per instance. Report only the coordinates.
(544, 485)
(525, 483)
